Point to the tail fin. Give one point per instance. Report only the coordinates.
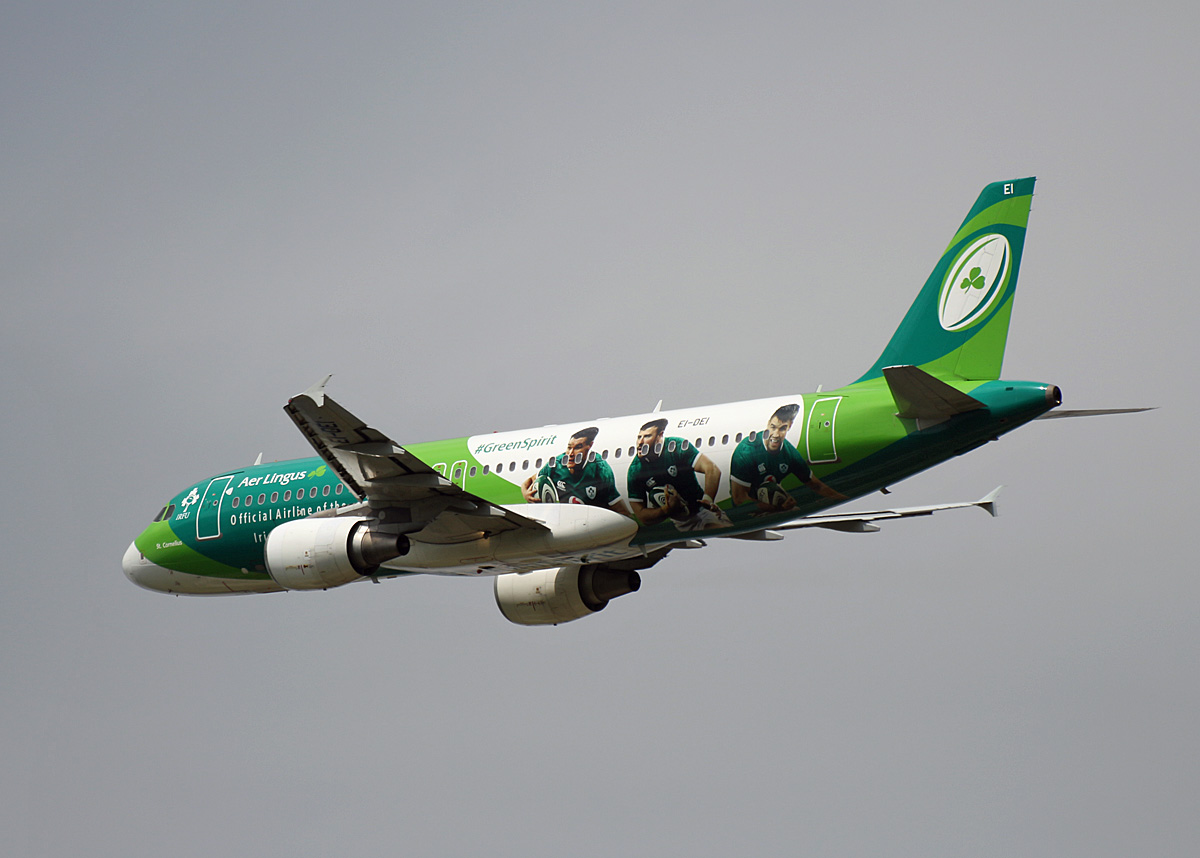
(958, 325)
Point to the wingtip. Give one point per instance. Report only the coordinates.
(317, 392)
(988, 502)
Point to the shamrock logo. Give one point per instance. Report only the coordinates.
(974, 280)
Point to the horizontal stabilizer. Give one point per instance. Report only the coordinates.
(1093, 412)
(920, 396)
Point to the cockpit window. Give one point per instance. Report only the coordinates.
(165, 513)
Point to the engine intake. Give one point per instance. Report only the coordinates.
(553, 596)
(319, 553)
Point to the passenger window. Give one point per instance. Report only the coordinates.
(617, 453)
(724, 439)
(699, 443)
(249, 500)
(525, 465)
(712, 441)
(486, 469)
(338, 489)
(274, 497)
(458, 473)
(235, 501)
(671, 447)
(512, 466)
(472, 472)
(262, 499)
(739, 437)
(753, 436)
(538, 464)
(287, 496)
(632, 451)
(604, 455)
(499, 467)
(325, 491)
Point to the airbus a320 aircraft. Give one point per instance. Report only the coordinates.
(563, 517)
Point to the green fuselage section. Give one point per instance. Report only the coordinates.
(852, 436)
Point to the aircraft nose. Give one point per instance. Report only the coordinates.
(142, 572)
(131, 561)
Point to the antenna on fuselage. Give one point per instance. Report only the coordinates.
(258, 461)
(657, 408)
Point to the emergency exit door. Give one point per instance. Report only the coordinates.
(821, 429)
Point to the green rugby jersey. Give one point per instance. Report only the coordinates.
(753, 464)
(594, 485)
(672, 467)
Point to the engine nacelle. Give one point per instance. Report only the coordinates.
(319, 553)
(553, 596)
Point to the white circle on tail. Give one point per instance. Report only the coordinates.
(975, 280)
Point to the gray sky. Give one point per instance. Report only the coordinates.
(485, 218)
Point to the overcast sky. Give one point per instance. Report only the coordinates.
(493, 216)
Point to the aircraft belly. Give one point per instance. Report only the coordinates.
(573, 533)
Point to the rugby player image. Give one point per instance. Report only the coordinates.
(761, 463)
(663, 482)
(577, 476)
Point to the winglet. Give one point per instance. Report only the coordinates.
(317, 392)
(987, 503)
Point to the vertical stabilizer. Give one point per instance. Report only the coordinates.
(957, 327)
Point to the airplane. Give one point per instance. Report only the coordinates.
(565, 517)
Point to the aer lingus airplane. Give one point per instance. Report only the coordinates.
(563, 517)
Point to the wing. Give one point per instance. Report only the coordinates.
(392, 483)
(864, 522)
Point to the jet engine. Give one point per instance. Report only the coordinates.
(319, 553)
(553, 596)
